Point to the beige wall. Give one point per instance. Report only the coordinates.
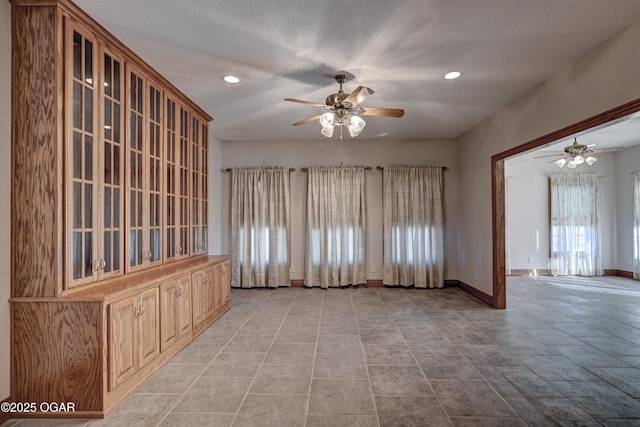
(215, 196)
(601, 80)
(330, 152)
(5, 192)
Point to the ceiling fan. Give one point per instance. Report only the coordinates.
(576, 154)
(343, 110)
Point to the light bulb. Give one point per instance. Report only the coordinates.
(571, 164)
(578, 160)
(590, 160)
(560, 162)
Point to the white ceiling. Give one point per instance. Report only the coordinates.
(401, 49)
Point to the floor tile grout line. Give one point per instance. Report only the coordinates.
(170, 410)
(266, 353)
(313, 364)
(435, 395)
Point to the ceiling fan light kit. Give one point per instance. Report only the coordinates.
(344, 111)
(574, 155)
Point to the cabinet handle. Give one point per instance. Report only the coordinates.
(206, 279)
(179, 249)
(103, 264)
(95, 265)
(136, 311)
(141, 309)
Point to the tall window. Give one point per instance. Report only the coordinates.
(636, 225)
(413, 226)
(336, 227)
(260, 227)
(575, 225)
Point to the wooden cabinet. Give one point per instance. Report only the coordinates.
(109, 214)
(221, 278)
(134, 335)
(175, 303)
(94, 155)
(144, 183)
(204, 295)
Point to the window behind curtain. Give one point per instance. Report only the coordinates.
(336, 227)
(260, 227)
(575, 225)
(413, 226)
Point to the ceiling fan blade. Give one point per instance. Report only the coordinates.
(357, 96)
(383, 112)
(310, 119)
(549, 155)
(300, 101)
(606, 150)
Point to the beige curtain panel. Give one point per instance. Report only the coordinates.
(260, 227)
(636, 225)
(413, 226)
(336, 227)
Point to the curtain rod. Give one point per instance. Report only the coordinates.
(229, 170)
(444, 168)
(368, 168)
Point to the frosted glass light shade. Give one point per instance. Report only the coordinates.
(578, 160)
(571, 164)
(560, 162)
(590, 160)
(326, 120)
(356, 124)
(327, 131)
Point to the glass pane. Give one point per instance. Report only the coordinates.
(133, 140)
(108, 83)
(139, 135)
(107, 119)
(107, 207)
(139, 170)
(194, 240)
(116, 80)
(88, 62)
(132, 248)
(107, 251)
(139, 209)
(77, 155)
(77, 56)
(133, 171)
(155, 244)
(132, 208)
(116, 208)
(116, 123)
(88, 208)
(116, 251)
(204, 238)
(88, 158)
(139, 103)
(107, 163)
(77, 255)
(88, 255)
(134, 100)
(77, 205)
(77, 105)
(139, 251)
(88, 109)
(116, 165)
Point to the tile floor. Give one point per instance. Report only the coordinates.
(566, 352)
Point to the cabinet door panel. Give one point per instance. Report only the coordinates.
(183, 306)
(81, 156)
(199, 295)
(154, 177)
(210, 287)
(135, 184)
(149, 327)
(170, 177)
(111, 262)
(168, 330)
(122, 341)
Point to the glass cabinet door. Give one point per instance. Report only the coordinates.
(170, 176)
(111, 262)
(196, 189)
(204, 193)
(81, 158)
(182, 249)
(153, 252)
(135, 184)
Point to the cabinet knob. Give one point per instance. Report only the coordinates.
(95, 265)
(103, 264)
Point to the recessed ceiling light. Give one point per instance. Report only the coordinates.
(231, 79)
(452, 75)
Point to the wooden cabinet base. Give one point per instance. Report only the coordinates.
(61, 350)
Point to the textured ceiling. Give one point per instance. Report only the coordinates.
(401, 49)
